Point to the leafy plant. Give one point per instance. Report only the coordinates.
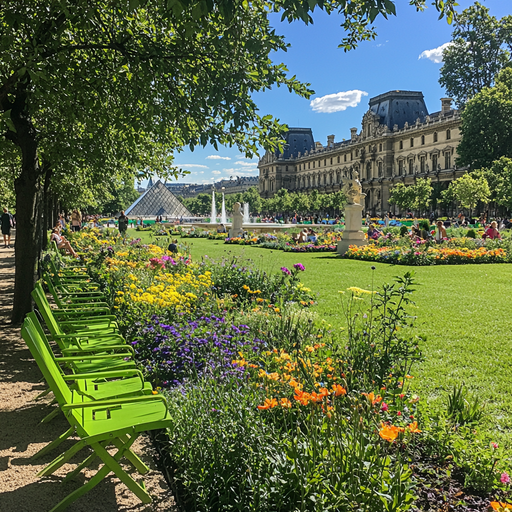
(461, 410)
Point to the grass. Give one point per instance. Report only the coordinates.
(464, 312)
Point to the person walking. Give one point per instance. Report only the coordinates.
(123, 224)
(6, 222)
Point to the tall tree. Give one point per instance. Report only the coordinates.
(499, 177)
(469, 190)
(422, 191)
(487, 125)
(402, 196)
(478, 51)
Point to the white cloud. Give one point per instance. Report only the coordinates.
(248, 164)
(238, 171)
(337, 102)
(216, 172)
(217, 157)
(436, 54)
(192, 166)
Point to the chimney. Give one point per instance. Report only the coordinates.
(330, 141)
(353, 133)
(446, 105)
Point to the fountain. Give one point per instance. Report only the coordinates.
(246, 213)
(213, 214)
(223, 218)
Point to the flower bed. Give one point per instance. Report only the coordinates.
(309, 248)
(272, 408)
(427, 255)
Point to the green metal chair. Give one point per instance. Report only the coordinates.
(75, 336)
(98, 424)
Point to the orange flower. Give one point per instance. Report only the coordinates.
(302, 397)
(500, 506)
(372, 398)
(269, 404)
(389, 432)
(413, 428)
(339, 390)
(285, 403)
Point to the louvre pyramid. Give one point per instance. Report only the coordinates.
(157, 200)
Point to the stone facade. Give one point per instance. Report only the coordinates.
(399, 141)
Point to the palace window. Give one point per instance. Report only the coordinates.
(422, 164)
(314, 163)
(379, 166)
(344, 158)
(401, 145)
(447, 161)
(325, 179)
(325, 162)
(411, 142)
(448, 134)
(286, 169)
(380, 147)
(435, 136)
(339, 158)
(423, 140)
(357, 152)
(400, 167)
(411, 167)
(434, 162)
(331, 161)
(309, 165)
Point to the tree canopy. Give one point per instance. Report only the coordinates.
(487, 125)
(479, 49)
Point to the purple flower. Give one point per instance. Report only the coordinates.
(284, 270)
(299, 266)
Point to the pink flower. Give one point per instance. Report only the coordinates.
(384, 407)
(494, 445)
(284, 270)
(505, 479)
(299, 266)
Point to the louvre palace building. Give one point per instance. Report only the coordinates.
(399, 142)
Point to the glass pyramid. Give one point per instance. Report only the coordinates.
(157, 200)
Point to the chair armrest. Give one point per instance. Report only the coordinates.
(99, 348)
(132, 372)
(105, 403)
(93, 357)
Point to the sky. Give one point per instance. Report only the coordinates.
(406, 55)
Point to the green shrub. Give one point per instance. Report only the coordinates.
(471, 233)
(404, 231)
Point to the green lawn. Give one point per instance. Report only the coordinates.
(464, 312)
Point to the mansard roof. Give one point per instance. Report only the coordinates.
(298, 140)
(399, 107)
(157, 200)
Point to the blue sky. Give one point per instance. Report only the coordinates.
(405, 55)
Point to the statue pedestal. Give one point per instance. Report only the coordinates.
(235, 233)
(352, 235)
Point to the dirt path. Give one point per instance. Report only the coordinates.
(22, 434)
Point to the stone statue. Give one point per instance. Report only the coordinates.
(353, 189)
(238, 217)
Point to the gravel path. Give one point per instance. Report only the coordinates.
(22, 434)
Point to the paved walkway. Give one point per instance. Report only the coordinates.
(22, 434)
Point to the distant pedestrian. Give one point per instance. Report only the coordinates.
(76, 221)
(122, 224)
(7, 223)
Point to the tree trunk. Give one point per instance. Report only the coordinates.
(28, 215)
(28, 201)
